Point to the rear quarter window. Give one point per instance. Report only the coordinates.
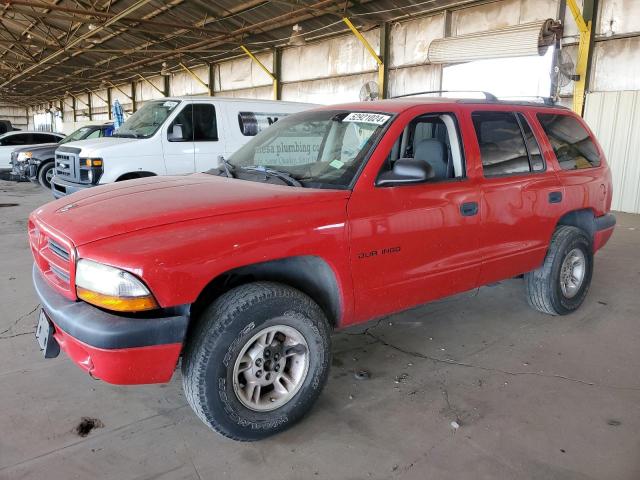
(252, 123)
(571, 142)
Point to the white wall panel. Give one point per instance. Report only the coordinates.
(144, 91)
(182, 83)
(619, 17)
(337, 56)
(409, 41)
(616, 65)
(481, 18)
(327, 91)
(264, 93)
(615, 119)
(414, 79)
(242, 73)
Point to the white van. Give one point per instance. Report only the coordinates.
(170, 136)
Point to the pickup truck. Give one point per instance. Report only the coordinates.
(329, 218)
(36, 163)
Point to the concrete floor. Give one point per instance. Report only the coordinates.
(535, 396)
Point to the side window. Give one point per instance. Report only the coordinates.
(251, 123)
(535, 157)
(185, 121)
(571, 143)
(18, 139)
(43, 138)
(502, 146)
(433, 139)
(205, 127)
(95, 134)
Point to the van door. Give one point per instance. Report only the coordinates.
(179, 152)
(209, 137)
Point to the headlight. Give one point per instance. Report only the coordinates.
(112, 288)
(24, 156)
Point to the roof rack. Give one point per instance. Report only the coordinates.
(546, 100)
(489, 96)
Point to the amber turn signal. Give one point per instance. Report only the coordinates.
(117, 304)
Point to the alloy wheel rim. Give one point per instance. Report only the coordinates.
(572, 273)
(270, 368)
(49, 175)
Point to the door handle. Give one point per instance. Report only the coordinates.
(469, 209)
(555, 197)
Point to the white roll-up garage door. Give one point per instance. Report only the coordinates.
(516, 41)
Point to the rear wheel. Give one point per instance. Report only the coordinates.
(45, 174)
(257, 360)
(561, 284)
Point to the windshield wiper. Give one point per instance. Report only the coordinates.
(227, 166)
(284, 176)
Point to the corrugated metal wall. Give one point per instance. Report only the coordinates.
(615, 119)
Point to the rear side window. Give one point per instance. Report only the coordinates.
(571, 143)
(502, 144)
(252, 123)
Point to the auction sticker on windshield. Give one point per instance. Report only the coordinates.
(170, 104)
(367, 117)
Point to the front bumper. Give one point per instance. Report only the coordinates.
(117, 349)
(62, 188)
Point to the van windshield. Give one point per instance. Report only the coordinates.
(323, 148)
(146, 121)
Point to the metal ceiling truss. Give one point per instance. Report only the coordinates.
(50, 47)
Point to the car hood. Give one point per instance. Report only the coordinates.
(90, 145)
(123, 207)
(38, 147)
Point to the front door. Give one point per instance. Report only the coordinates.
(179, 155)
(207, 135)
(414, 243)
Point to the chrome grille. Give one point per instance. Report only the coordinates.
(58, 249)
(68, 163)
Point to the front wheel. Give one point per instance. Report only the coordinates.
(561, 284)
(257, 360)
(45, 175)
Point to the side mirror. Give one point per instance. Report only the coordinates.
(406, 171)
(176, 134)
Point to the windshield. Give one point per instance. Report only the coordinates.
(146, 121)
(79, 134)
(320, 148)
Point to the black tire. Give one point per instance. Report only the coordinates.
(544, 292)
(42, 175)
(218, 337)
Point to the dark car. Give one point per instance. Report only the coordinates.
(36, 162)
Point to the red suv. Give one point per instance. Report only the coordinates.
(329, 218)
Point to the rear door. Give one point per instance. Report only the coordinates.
(521, 195)
(415, 243)
(179, 152)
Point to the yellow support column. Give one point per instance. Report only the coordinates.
(372, 52)
(583, 56)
